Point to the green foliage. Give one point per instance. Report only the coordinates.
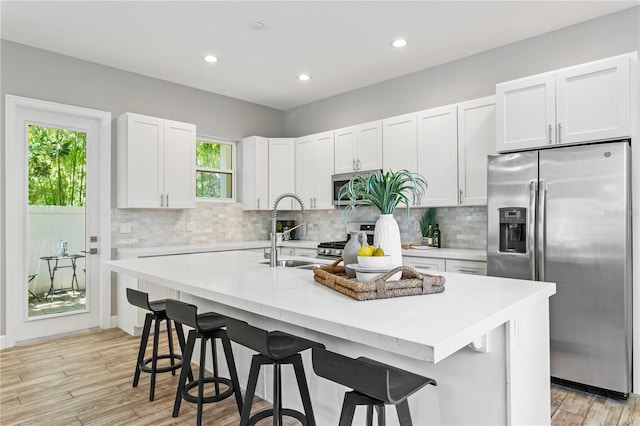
(212, 161)
(384, 190)
(427, 218)
(57, 171)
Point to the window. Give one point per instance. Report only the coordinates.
(215, 174)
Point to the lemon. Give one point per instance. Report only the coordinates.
(378, 252)
(366, 251)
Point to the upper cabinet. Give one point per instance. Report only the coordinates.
(155, 163)
(437, 154)
(314, 167)
(476, 140)
(282, 171)
(254, 173)
(584, 103)
(400, 143)
(358, 148)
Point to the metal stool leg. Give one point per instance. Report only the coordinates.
(251, 390)
(143, 346)
(231, 365)
(154, 360)
(304, 390)
(404, 415)
(170, 337)
(348, 409)
(185, 371)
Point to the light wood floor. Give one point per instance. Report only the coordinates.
(86, 380)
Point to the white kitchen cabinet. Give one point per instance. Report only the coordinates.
(584, 103)
(156, 162)
(313, 170)
(254, 173)
(400, 143)
(358, 148)
(466, 267)
(476, 140)
(282, 158)
(424, 263)
(437, 154)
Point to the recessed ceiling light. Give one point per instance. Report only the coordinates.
(399, 43)
(304, 77)
(210, 58)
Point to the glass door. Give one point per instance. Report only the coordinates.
(56, 221)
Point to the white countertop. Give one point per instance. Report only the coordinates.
(428, 327)
(211, 247)
(442, 253)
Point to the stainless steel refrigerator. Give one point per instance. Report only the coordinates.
(564, 215)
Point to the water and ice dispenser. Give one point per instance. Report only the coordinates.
(513, 230)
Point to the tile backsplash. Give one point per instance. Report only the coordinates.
(462, 227)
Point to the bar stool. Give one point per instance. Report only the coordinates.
(374, 384)
(275, 348)
(157, 313)
(206, 326)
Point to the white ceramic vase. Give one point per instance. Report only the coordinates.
(387, 236)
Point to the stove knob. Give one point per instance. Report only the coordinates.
(338, 252)
(326, 251)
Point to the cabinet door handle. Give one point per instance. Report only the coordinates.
(353, 165)
(468, 271)
(167, 200)
(550, 130)
(258, 203)
(559, 132)
(461, 201)
(161, 200)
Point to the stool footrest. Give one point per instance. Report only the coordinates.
(284, 412)
(144, 364)
(207, 399)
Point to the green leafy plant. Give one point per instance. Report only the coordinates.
(427, 218)
(384, 190)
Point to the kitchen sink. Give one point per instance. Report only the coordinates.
(300, 264)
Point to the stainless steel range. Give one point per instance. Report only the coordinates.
(333, 249)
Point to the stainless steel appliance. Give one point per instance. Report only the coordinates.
(338, 181)
(564, 215)
(333, 249)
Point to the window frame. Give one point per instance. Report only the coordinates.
(232, 171)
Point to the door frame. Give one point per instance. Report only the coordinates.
(16, 209)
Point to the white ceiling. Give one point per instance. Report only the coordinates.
(343, 45)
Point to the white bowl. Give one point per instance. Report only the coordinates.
(374, 261)
(364, 275)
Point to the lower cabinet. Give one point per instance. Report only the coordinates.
(429, 263)
(466, 267)
(446, 265)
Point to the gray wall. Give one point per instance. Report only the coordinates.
(40, 74)
(471, 77)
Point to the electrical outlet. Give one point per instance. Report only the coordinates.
(125, 228)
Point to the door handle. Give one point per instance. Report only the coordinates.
(161, 200)
(531, 226)
(167, 200)
(542, 228)
(550, 132)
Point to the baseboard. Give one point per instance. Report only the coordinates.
(2, 340)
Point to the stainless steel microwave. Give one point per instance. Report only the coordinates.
(338, 181)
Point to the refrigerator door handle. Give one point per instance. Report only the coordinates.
(533, 190)
(542, 228)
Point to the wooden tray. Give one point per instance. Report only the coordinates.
(412, 283)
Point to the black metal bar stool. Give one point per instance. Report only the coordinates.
(207, 326)
(275, 348)
(157, 313)
(374, 384)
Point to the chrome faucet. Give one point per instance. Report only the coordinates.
(273, 258)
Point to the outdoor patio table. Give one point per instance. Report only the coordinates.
(52, 270)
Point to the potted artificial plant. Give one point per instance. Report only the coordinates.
(427, 224)
(385, 191)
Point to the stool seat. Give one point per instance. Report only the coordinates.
(156, 314)
(275, 348)
(206, 326)
(374, 384)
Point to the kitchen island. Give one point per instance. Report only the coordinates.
(503, 379)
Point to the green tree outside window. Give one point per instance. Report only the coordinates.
(214, 170)
(57, 167)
